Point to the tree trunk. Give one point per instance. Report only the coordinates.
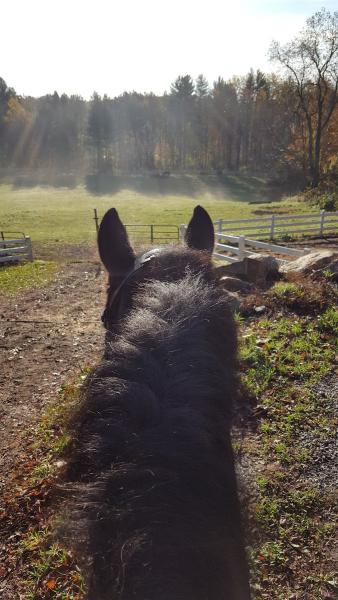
(310, 147)
(238, 148)
(98, 157)
(229, 152)
(316, 161)
(316, 171)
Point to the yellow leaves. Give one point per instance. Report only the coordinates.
(15, 111)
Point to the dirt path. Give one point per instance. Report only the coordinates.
(46, 336)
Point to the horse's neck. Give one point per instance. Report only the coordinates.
(173, 346)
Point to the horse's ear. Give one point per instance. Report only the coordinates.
(115, 250)
(200, 231)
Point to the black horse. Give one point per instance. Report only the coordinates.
(156, 512)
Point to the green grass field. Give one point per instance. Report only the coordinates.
(63, 214)
(15, 278)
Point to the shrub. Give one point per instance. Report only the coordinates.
(328, 201)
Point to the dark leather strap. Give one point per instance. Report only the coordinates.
(106, 317)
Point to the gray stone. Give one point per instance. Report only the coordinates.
(260, 309)
(333, 269)
(260, 268)
(233, 284)
(233, 301)
(236, 268)
(256, 268)
(314, 261)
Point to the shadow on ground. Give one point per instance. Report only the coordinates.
(231, 186)
(243, 188)
(39, 178)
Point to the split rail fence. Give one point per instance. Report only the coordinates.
(15, 249)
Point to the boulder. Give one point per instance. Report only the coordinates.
(233, 301)
(314, 261)
(255, 268)
(233, 284)
(259, 268)
(333, 269)
(235, 268)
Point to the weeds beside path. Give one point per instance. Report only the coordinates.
(289, 456)
(47, 335)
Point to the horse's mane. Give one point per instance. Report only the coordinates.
(151, 460)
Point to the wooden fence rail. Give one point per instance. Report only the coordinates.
(241, 246)
(15, 249)
(232, 247)
(276, 226)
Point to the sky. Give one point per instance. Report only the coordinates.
(112, 46)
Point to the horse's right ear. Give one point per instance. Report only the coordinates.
(200, 233)
(115, 250)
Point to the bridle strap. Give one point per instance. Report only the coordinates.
(138, 264)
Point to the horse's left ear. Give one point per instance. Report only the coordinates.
(200, 233)
(115, 250)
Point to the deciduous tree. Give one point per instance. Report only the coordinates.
(311, 59)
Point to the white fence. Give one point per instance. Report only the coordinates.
(240, 246)
(15, 249)
(233, 248)
(276, 226)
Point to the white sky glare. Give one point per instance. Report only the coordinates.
(112, 46)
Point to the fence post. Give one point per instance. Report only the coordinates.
(182, 232)
(241, 246)
(272, 227)
(321, 225)
(96, 219)
(28, 243)
(152, 233)
(220, 225)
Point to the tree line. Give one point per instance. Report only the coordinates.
(285, 123)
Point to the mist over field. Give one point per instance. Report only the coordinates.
(281, 124)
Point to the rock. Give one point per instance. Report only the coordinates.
(260, 309)
(236, 268)
(233, 302)
(233, 284)
(256, 268)
(333, 269)
(314, 261)
(259, 268)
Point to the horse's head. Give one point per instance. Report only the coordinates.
(127, 271)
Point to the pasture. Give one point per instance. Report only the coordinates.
(51, 337)
(60, 214)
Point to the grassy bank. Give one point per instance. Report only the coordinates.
(287, 367)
